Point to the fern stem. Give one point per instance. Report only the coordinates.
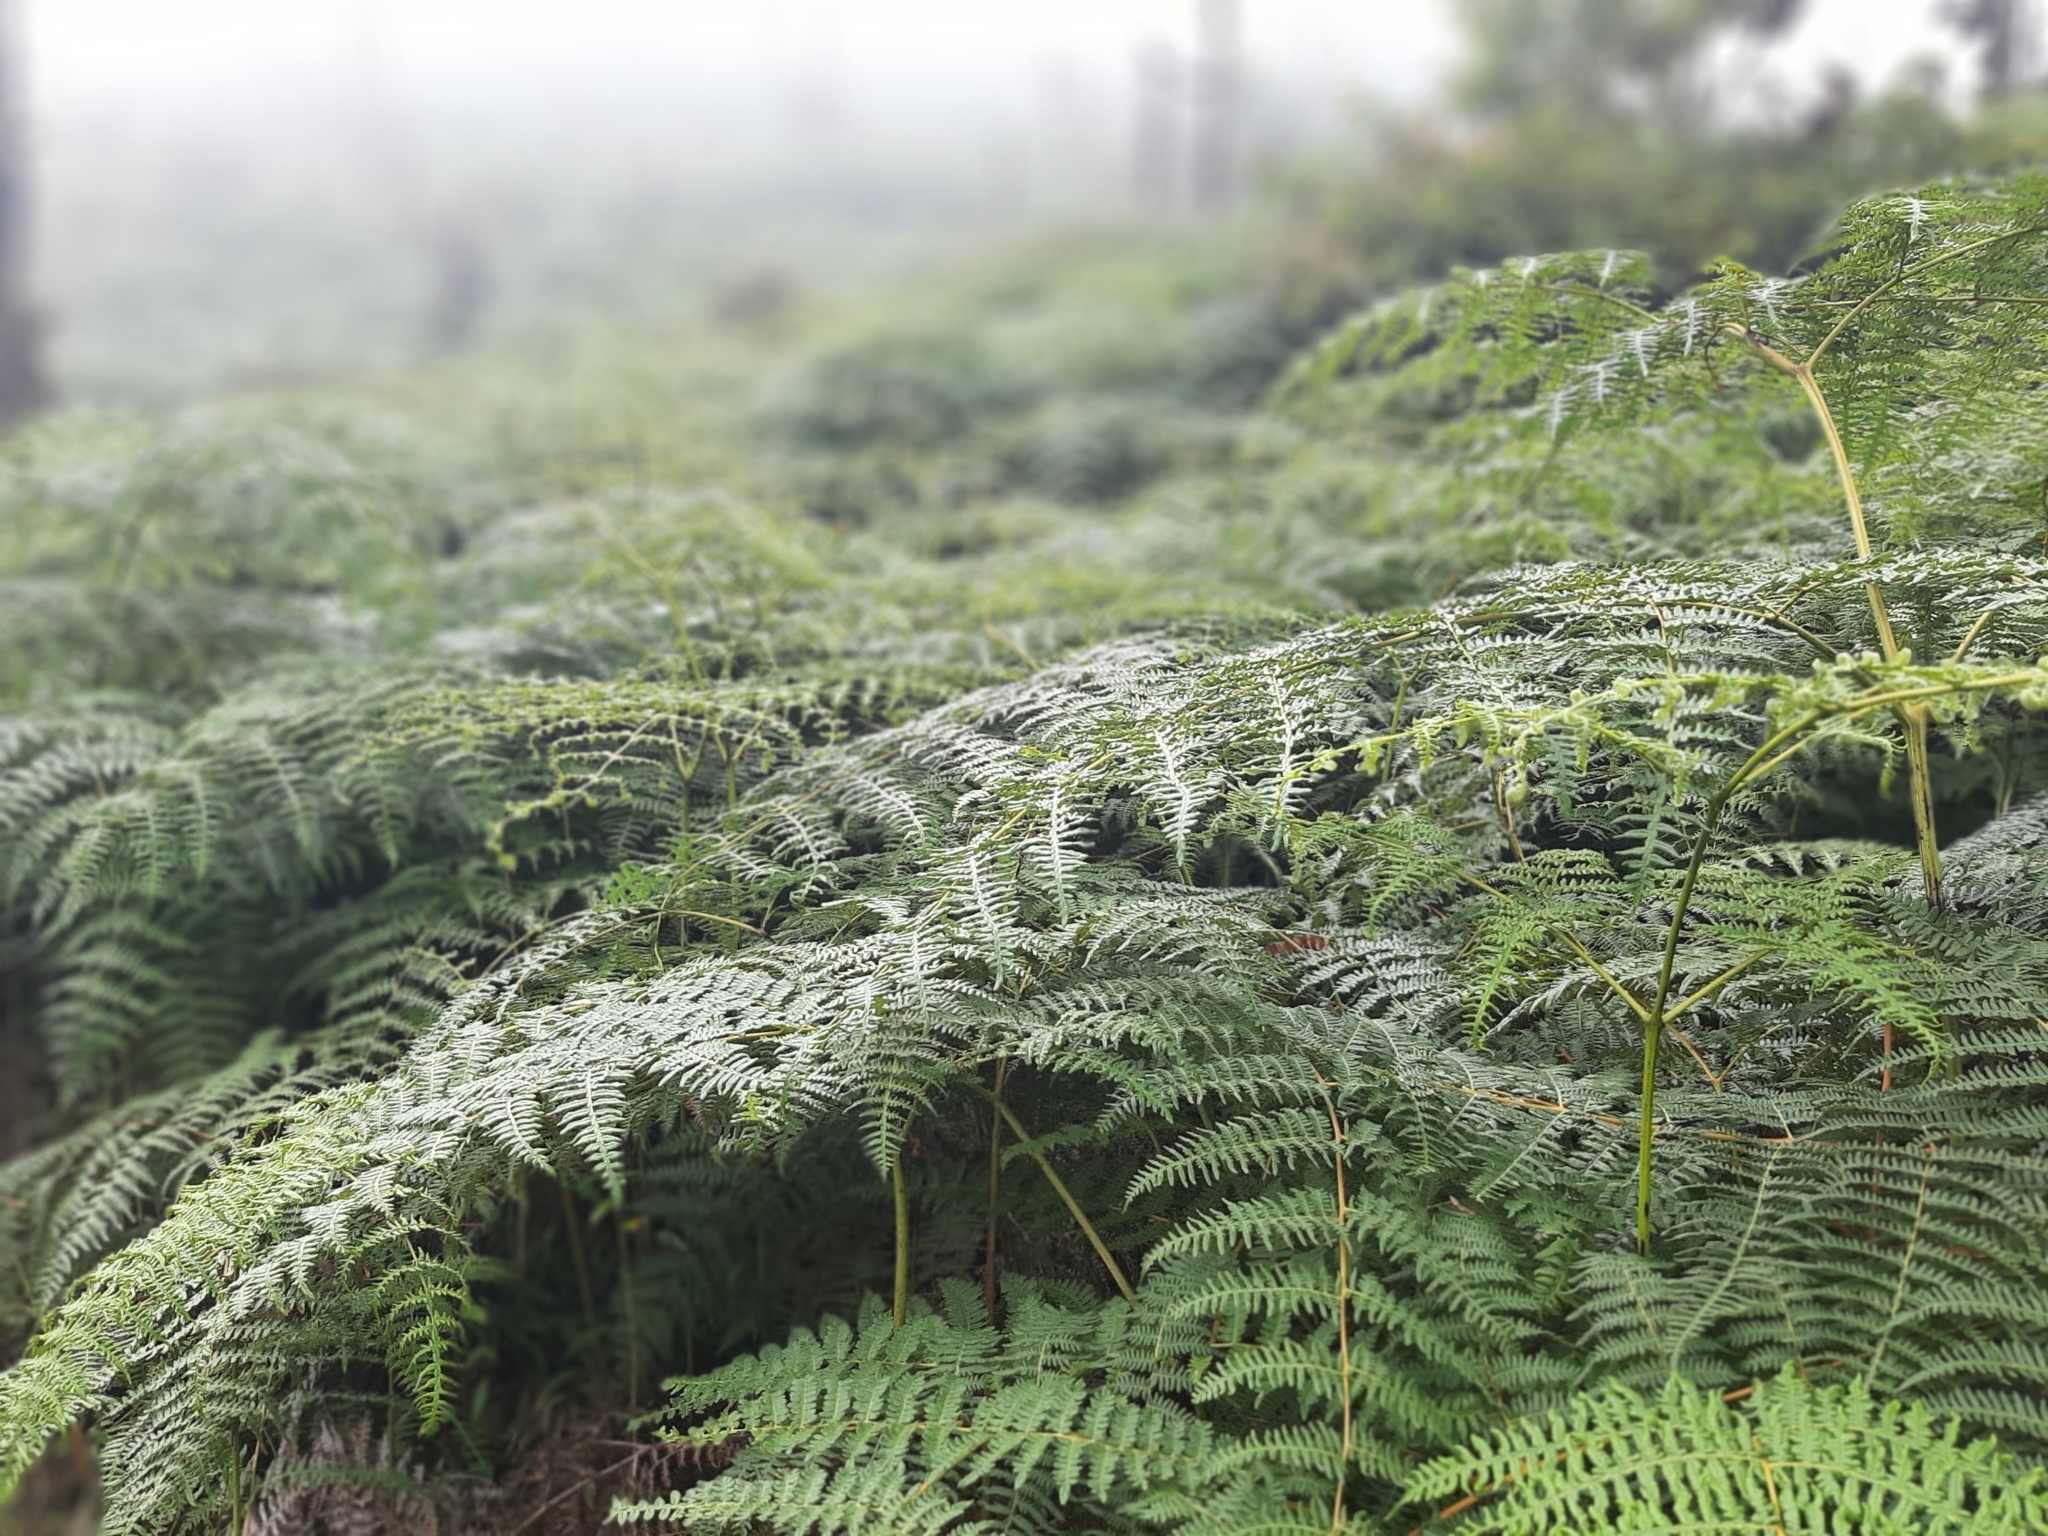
(1653, 1026)
(2019, 232)
(1343, 1319)
(1775, 749)
(575, 1237)
(995, 1188)
(1920, 781)
(1891, 1317)
(1646, 1133)
(901, 1307)
(1713, 1078)
(1963, 646)
(1912, 718)
(1772, 751)
(626, 1307)
(1066, 1195)
(1859, 528)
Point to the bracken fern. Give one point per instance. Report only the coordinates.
(1497, 1063)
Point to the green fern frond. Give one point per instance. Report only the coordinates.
(1786, 1457)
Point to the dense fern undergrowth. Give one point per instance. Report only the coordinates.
(1467, 950)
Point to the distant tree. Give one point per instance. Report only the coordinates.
(1219, 87)
(1584, 123)
(24, 387)
(2003, 33)
(1156, 126)
(1641, 60)
(462, 288)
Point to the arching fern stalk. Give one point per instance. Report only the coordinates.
(1914, 340)
(1917, 323)
(1644, 717)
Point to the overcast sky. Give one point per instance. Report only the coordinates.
(98, 53)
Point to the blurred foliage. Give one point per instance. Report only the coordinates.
(1630, 123)
(325, 704)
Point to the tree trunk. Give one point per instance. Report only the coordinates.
(1219, 82)
(1156, 129)
(24, 388)
(2003, 32)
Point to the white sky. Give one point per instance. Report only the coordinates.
(97, 53)
(90, 48)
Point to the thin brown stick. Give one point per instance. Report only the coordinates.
(577, 1487)
(1970, 639)
(575, 1237)
(1343, 1318)
(901, 1308)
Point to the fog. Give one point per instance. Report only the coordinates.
(234, 189)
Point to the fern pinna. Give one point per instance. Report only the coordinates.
(1510, 1064)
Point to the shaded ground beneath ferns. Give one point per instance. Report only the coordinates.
(570, 1467)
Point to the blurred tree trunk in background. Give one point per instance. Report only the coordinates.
(25, 1097)
(462, 289)
(2003, 32)
(1219, 72)
(24, 387)
(1156, 131)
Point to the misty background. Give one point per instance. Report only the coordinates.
(226, 193)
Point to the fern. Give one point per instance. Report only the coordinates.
(1429, 1028)
(1787, 1457)
(942, 1421)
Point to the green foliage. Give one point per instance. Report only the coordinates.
(1057, 1418)
(1661, 125)
(1601, 57)
(1789, 1457)
(674, 970)
(1914, 331)
(914, 390)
